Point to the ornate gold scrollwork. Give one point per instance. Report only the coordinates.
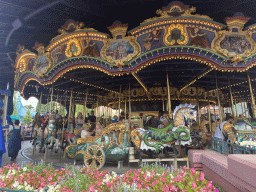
(185, 91)
(170, 40)
(73, 48)
(235, 44)
(107, 130)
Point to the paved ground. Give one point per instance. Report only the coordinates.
(58, 159)
(20, 159)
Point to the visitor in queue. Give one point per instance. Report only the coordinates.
(2, 143)
(17, 134)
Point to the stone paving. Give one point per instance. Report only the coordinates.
(58, 160)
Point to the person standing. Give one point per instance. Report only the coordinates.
(45, 121)
(58, 120)
(15, 140)
(92, 121)
(79, 121)
(2, 144)
(122, 117)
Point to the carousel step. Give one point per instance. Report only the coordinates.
(153, 160)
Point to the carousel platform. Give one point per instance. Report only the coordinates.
(233, 172)
(58, 160)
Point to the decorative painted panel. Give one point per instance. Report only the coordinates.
(151, 40)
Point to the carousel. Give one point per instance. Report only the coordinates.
(178, 61)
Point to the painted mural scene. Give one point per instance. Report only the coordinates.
(164, 102)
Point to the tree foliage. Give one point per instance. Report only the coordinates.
(15, 102)
(27, 118)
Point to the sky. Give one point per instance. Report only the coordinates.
(31, 101)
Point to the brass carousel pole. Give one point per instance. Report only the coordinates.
(46, 149)
(214, 112)
(5, 106)
(51, 100)
(57, 101)
(130, 111)
(39, 109)
(63, 128)
(85, 103)
(209, 113)
(236, 110)
(242, 108)
(252, 96)
(119, 103)
(169, 96)
(125, 107)
(97, 107)
(231, 98)
(163, 104)
(198, 111)
(218, 101)
(70, 111)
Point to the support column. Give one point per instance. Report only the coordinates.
(231, 98)
(252, 96)
(119, 102)
(218, 101)
(125, 108)
(85, 103)
(168, 92)
(209, 114)
(5, 106)
(130, 112)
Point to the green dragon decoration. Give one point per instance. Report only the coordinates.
(165, 135)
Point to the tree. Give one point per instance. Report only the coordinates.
(27, 118)
(15, 110)
(29, 107)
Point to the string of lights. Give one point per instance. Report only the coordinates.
(89, 84)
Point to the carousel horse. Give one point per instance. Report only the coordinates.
(52, 139)
(171, 133)
(184, 114)
(201, 138)
(244, 124)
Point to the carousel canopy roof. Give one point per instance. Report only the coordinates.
(26, 22)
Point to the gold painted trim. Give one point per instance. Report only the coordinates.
(131, 40)
(77, 43)
(238, 57)
(107, 130)
(183, 31)
(48, 56)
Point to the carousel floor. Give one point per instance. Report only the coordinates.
(26, 156)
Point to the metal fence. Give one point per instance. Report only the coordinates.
(226, 147)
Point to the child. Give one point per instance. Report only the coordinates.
(85, 132)
(98, 128)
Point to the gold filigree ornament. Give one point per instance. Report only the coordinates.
(176, 9)
(74, 48)
(43, 61)
(120, 49)
(180, 37)
(235, 44)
